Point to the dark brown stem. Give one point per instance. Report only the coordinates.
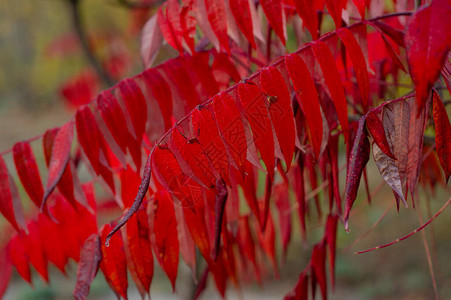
(140, 5)
(77, 23)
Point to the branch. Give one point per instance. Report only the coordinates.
(76, 19)
(140, 5)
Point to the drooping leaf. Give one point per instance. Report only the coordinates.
(92, 143)
(164, 224)
(274, 11)
(442, 134)
(59, 158)
(331, 240)
(231, 127)
(168, 172)
(257, 116)
(160, 91)
(220, 201)
(358, 61)
(335, 8)
(5, 271)
(388, 170)
(114, 263)
(308, 14)
(169, 23)
(358, 159)
(318, 262)
(278, 99)
(88, 266)
(333, 83)
(376, 129)
(10, 206)
(151, 41)
(136, 107)
(428, 41)
(114, 118)
(360, 4)
(19, 256)
(35, 251)
(300, 291)
(307, 97)
(139, 246)
(284, 208)
(216, 15)
(247, 244)
(242, 14)
(210, 140)
(28, 172)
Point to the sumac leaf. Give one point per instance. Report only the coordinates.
(358, 159)
(278, 100)
(242, 13)
(257, 116)
(428, 41)
(442, 134)
(114, 263)
(307, 97)
(377, 131)
(164, 224)
(10, 206)
(59, 158)
(274, 11)
(88, 266)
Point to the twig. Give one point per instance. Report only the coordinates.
(410, 234)
(76, 19)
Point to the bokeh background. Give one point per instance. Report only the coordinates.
(45, 73)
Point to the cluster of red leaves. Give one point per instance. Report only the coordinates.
(282, 123)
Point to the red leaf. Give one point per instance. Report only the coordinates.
(10, 206)
(257, 116)
(428, 41)
(151, 41)
(307, 12)
(333, 82)
(114, 119)
(5, 271)
(247, 244)
(164, 224)
(160, 91)
(267, 240)
(139, 247)
(28, 172)
(92, 142)
(114, 263)
(168, 172)
(199, 64)
(280, 110)
(220, 201)
(217, 17)
(358, 61)
(300, 291)
(377, 131)
(318, 262)
(242, 13)
(59, 158)
(335, 9)
(442, 134)
(88, 266)
(332, 148)
(19, 257)
(50, 236)
(331, 240)
(35, 251)
(66, 182)
(212, 145)
(274, 11)
(191, 152)
(188, 24)
(136, 106)
(169, 23)
(231, 127)
(307, 97)
(358, 159)
(360, 4)
(284, 207)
